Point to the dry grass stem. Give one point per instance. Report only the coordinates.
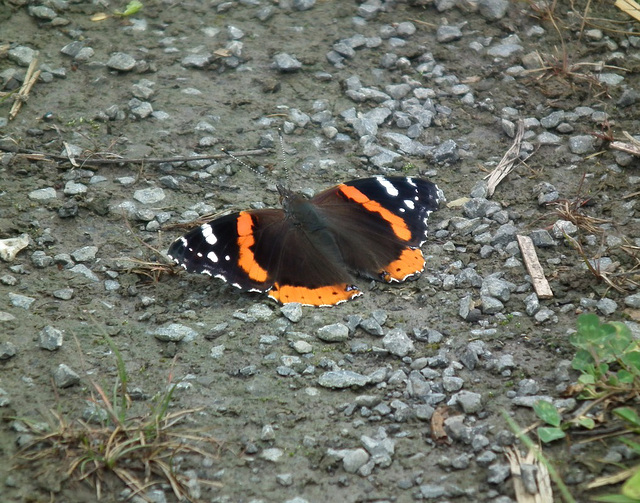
(22, 96)
(111, 158)
(507, 162)
(136, 450)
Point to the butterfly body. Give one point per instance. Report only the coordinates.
(311, 250)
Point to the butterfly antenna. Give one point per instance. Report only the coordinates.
(242, 163)
(285, 166)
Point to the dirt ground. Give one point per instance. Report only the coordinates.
(240, 365)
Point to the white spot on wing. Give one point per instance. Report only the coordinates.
(212, 256)
(388, 186)
(208, 235)
(409, 204)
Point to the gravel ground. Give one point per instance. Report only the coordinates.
(312, 404)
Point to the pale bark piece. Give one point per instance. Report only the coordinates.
(540, 283)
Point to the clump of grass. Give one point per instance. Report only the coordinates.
(138, 450)
(608, 359)
(616, 277)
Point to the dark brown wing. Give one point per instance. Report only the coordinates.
(380, 223)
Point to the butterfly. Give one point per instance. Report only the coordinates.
(312, 249)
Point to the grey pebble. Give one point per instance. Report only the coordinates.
(547, 138)
(64, 376)
(397, 342)
(72, 188)
(447, 151)
(607, 306)
(371, 326)
(633, 300)
(542, 239)
(43, 194)
(7, 350)
(498, 473)
(151, 195)
(505, 362)
(174, 332)
(544, 314)
(629, 97)
(301, 5)
(448, 33)
(354, 459)
(121, 61)
(553, 119)
(498, 288)
(369, 9)
(84, 54)
(582, 144)
(432, 491)
(493, 9)
(51, 338)
(21, 55)
(527, 387)
(292, 311)
(85, 254)
(84, 271)
(260, 312)
(196, 60)
(505, 234)
(22, 301)
(342, 379)
(63, 293)
(504, 50)
(469, 401)
(42, 12)
(140, 109)
(562, 227)
(336, 332)
(491, 305)
(286, 63)
(72, 48)
(40, 259)
(532, 304)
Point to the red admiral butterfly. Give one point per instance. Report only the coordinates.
(307, 251)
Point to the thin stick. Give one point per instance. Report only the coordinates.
(23, 95)
(540, 283)
(506, 164)
(135, 160)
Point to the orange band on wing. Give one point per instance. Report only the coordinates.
(246, 258)
(410, 262)
(321, 296)
(398, 225)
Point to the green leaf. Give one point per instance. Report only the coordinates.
(629, 415)
(586, 379)
(582, 360)
(586, 422)
(133, 7)
(625, 377)
(547, 435)
(632, 361)
(602, 369)
(547, 412)
(631, 488)
(615, 498)
(588, 325)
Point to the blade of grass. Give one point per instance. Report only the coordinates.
(562, 487)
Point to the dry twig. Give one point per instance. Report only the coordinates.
(23, 95)
(114, 159)
(540, 283)
(506, 164)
